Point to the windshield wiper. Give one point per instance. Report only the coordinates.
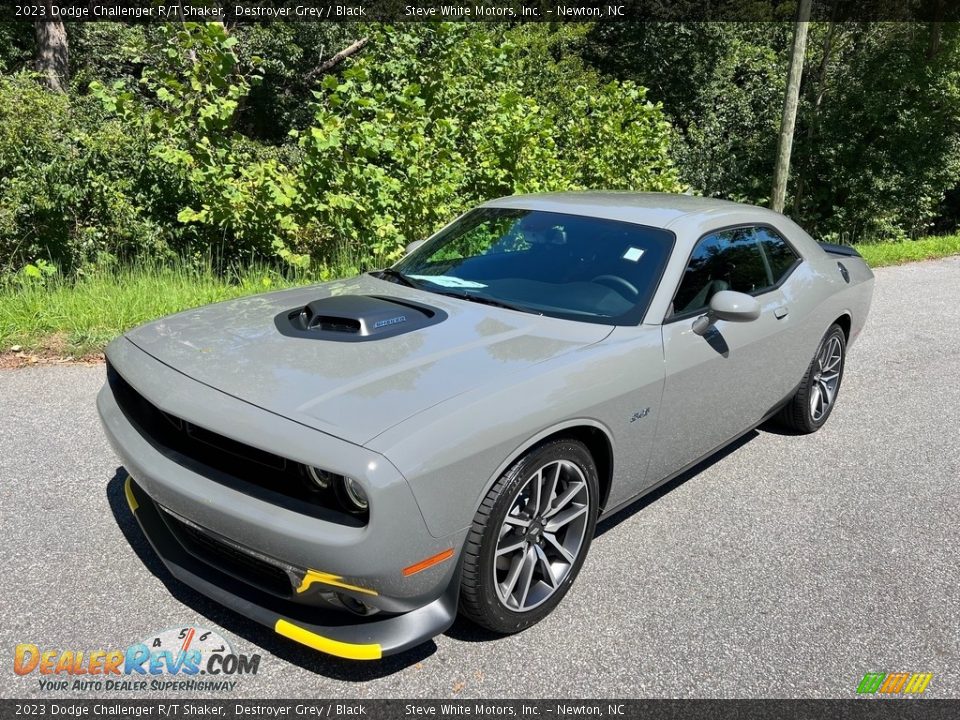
(484, 300)
(397, 275)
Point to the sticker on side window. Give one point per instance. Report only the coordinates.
(633, 254)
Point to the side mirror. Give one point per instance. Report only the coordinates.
(414, 245)
(730, 306)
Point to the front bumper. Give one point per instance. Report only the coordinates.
(331, 631)
(326, 563)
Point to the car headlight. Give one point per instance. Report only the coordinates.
(322, 478)
(354, 494)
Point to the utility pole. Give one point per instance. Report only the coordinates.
(781, 172)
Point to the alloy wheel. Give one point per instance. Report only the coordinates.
(541, 535)
(826, 378)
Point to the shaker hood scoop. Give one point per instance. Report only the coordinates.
(357, 318)
(355, 357)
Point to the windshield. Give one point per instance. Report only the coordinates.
(568, 266)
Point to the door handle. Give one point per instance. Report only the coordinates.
(781, 312)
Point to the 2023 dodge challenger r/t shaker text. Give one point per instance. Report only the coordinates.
(352, 463)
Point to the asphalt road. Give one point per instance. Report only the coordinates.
(787, 567)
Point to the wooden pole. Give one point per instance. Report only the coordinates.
(781, 171)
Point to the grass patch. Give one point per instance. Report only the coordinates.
(79, 317)
(63, 318)
(903, 251)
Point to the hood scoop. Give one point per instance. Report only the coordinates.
(357, 318)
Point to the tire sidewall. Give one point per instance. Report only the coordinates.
(573, 451)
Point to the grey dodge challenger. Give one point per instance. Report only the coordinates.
(352, 463)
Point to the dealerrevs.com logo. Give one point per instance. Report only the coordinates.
(182, 659)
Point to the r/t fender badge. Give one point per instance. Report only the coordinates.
(640, 414)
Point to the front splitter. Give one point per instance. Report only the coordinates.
(329, 631)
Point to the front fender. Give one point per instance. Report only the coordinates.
(453, 452)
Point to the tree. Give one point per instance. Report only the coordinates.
(394, 151)
(887, 141)
(52, 58)
(791, 99)
(722, 88)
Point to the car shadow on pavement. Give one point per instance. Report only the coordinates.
(250, 631)
(466, 631)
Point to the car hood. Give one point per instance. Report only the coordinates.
(355, 390)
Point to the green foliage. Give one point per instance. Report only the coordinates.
(234, 193)
(71, 186)
(877, 135)
(16, 46)
(874, 162)
(37, 273)
(608, 135)
(176, 138)
(395, 151)
(722, 86)
(285, 54)
(428, 120)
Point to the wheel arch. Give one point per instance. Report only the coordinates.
(845, 321)
(592, 433)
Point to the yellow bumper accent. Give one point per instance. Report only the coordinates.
(128, 491)
(326, 645)
(315, 576)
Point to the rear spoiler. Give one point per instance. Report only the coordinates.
(844, 250)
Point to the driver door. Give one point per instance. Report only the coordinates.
(723, 383)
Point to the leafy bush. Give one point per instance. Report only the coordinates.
(607, 134)
(427, 121)
(234, 196)
(435, 118)
(877, 141)
(71, 184)
(887, 140)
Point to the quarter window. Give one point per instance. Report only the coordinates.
(780, 256)
(748, 260)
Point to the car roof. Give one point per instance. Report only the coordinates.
(661, 210)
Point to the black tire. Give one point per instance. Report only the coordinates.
(798, 414)
(479, 597)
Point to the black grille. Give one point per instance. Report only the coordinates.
(248, 469)
(228, 559)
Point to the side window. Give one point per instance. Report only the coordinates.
(726, 260)
(780, 256)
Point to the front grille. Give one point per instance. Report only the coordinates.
(248, 469)
(227, 558)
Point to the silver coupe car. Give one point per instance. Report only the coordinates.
(352, 463)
